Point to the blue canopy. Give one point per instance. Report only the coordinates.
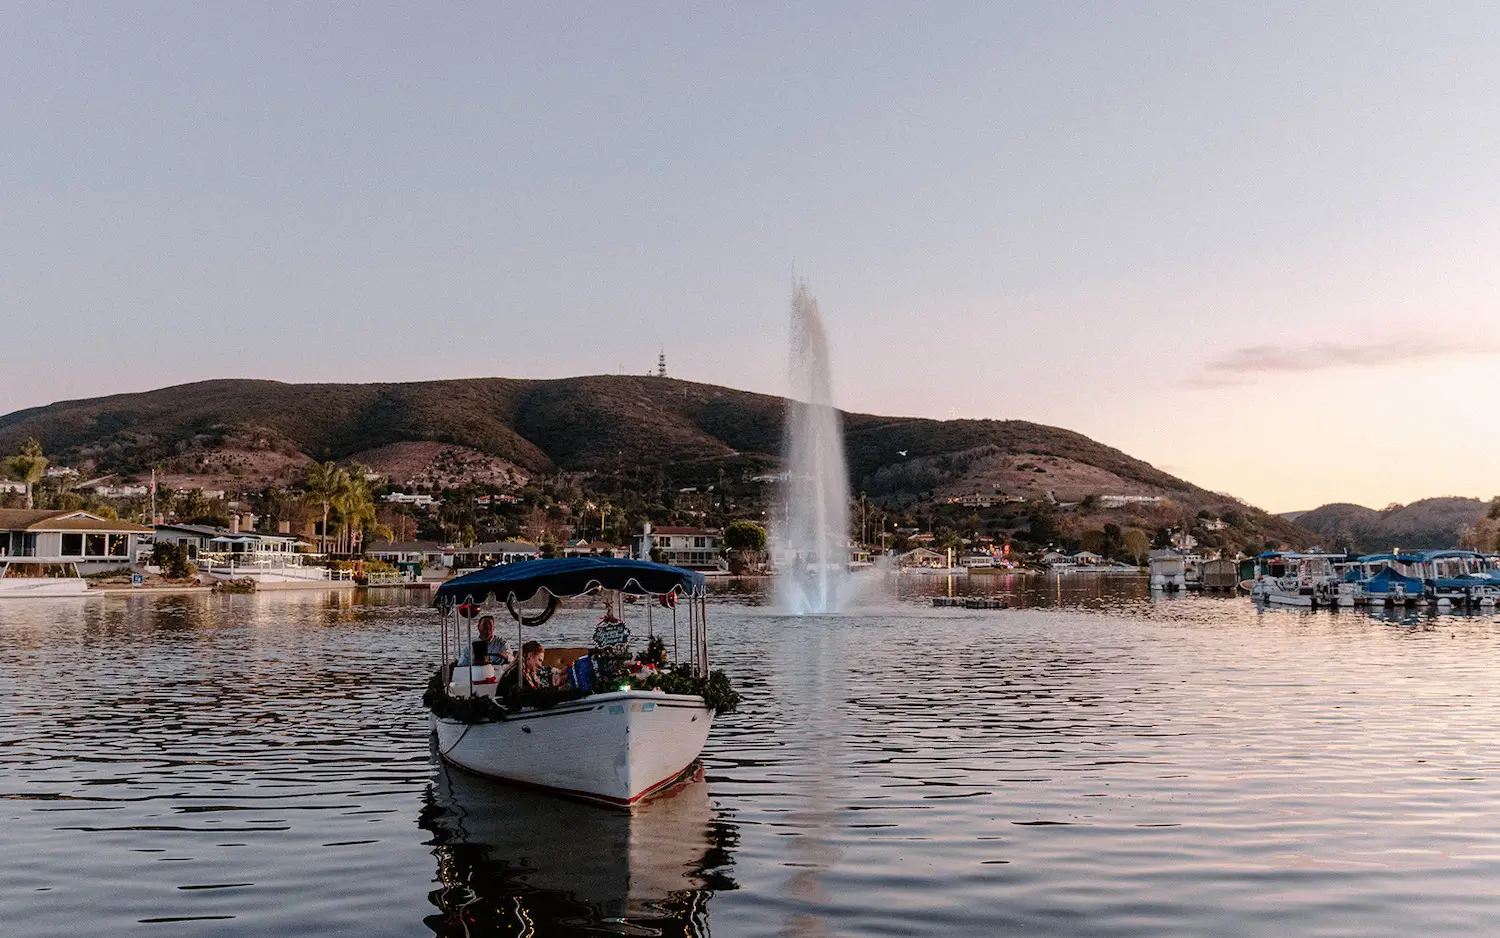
(1386, 579)
(1427, 556)
(569, 576)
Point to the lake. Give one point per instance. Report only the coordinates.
(1095, 761)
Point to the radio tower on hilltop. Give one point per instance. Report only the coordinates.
(661, 363)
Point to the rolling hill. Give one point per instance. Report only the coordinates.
(1429, 523)
(597, 424)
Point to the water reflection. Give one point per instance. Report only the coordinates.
(516, 862)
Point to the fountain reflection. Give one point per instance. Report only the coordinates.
(512, 861)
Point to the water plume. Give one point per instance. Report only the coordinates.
(810, 533)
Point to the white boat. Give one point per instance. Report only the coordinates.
(1286, 578)
(613, 737)
(19, 578)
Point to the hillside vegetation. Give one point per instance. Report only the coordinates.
(1426, 524)
(598, 426)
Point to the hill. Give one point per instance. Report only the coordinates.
(1429, 523)
(506, 429)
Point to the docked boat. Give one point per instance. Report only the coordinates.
(23, 578)
(623, 727)
(1168, 570)
(1287, 578)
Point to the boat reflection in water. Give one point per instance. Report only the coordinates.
(513, 861)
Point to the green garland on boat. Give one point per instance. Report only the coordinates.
(716, 691)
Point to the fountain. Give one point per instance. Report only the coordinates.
(810, 533)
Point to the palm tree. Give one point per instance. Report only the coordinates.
(355, 504)
(29, 467)
(324, 482)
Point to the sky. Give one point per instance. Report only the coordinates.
(1257, 247)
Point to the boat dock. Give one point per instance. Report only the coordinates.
(971, 602)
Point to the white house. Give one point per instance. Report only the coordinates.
(205, 539)
(417, 499)
(75, 537)
(1120, 501)
(490, 553)
(583, 548)
(693, 548)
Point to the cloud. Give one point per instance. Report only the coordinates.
(1245, 365)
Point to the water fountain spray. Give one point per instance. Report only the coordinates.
(811, 528)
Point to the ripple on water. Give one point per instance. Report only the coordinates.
(1092, 762)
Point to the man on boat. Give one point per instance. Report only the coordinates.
(489, 648)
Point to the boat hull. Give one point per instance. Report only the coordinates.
(21, 587)
(616, 748)
(1290, 599)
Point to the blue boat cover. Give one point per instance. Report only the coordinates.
(1462, 582)
(1386, 578)
(569, 576)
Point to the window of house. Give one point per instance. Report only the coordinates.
(72, 545)
(93, 545)
(700, 542)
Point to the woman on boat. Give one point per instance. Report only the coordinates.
(530, 674)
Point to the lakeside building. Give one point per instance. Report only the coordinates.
(205, 539)
(405, 553)
(121, 491)
(417, 499)
(1120, 501)
(91, 542)
(491, 553)
(921, 557)
(583, 548)
(985, 499)
(688, 547)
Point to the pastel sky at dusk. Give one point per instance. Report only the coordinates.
(1256, 245)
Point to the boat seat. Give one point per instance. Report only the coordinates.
(562, 657)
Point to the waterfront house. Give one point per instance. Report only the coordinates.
(405, 553)
(692, 548)
(922, 557)
(92, 542)
(209, 539)
(585, 548)
(491, 553)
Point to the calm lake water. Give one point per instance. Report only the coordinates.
(1096, 762)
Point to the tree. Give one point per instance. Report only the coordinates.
(173, 560)
(745, 535)
(323, 483)
(945, 538)
(28, 468)
(1137, 545)
(355, 504)
(1114, 542)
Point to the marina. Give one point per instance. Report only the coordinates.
(1442, 579)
